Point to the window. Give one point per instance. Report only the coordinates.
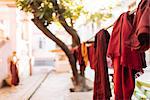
(41, 43)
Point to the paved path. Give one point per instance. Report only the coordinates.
(24, 90)
(56, 87)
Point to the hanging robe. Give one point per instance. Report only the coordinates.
(140, 39)
(84, 53)
(102, 89)
(91, 56)
(78, 56)
(125, 61)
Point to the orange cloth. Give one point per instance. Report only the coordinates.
(84, 53)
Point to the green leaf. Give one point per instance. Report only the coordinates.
(41, 15)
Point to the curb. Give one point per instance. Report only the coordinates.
(37, 87)
(25, 90)
(30, 92)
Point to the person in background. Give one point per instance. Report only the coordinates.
(12, 78)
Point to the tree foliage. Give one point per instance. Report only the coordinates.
(68, 8)
(48, 13)
(100, 15)
(73, 9)
(44, 9)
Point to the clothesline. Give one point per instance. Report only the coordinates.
(88, 41)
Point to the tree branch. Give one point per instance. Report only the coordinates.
(49, 34)
(63, 22)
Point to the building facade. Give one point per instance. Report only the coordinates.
(15, 36)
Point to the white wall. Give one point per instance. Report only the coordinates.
(5, 50)
(13, 20)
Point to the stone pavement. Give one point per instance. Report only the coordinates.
(45, 85)
(48, 85)
(56, 87)
(26, 87)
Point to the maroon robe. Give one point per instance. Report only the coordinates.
(102, 89)
(79, 58)
(91, 56)
(117, 45)
(123, 81)
(14, 74)
(140, 39)
(125, 60)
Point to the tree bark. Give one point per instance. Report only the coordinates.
(49, 34)
(63, 22)
(73, 33)
(73, 41)
(70, 30)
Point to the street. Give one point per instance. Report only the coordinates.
(56, 87)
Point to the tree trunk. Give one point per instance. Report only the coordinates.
(73, 41)
(49, 34)
(75, 38)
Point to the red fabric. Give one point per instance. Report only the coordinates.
(124, 81)
(14, 74)
(124, 59)
(140, 39)
(81, 61)
(114, 43)
(74, 51)
(91, 56)
(102, 89)
(117, 45)
(79, 58)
